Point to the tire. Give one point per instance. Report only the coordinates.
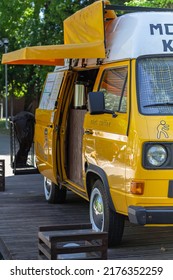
(53, 193)
(103, 218)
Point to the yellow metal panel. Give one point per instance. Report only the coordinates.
(46, 142)
(106, 147)
(145, 129)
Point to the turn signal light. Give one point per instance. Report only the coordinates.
(137, 188)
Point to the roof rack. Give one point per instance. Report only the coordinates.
(136, 9)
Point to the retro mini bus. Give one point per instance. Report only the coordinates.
(104, 125)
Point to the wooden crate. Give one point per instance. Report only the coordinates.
(77, 241)
(2, 175)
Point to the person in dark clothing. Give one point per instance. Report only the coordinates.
(24, 131)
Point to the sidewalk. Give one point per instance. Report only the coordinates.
(5, 153)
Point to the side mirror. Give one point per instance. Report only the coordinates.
(96, 103)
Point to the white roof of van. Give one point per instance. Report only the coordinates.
(140, 33)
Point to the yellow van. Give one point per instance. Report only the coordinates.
(104, 126)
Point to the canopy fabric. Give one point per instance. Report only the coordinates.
(86, 25)
(54, 54)
(84, 37)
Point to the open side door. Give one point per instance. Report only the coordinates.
(48, 118)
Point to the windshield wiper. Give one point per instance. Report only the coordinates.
(159, 104)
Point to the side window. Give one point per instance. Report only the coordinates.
(114, 86)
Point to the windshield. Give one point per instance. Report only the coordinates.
(155, 85)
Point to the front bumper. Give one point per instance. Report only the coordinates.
(150, 215)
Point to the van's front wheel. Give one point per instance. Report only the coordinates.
(53, 193)
(102, 217)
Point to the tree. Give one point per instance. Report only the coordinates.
(16, 23)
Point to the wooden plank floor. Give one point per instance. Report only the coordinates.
(23, 209)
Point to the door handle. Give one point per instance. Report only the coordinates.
(88, 131)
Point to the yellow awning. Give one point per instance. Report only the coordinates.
(54, 54)
(84, 37)
(86, 25)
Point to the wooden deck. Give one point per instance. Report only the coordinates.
(23, 210)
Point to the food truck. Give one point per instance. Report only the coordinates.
(104, 125)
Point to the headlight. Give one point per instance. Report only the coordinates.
(156, 155)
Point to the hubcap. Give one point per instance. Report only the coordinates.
(97, 211)
(47, 187)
